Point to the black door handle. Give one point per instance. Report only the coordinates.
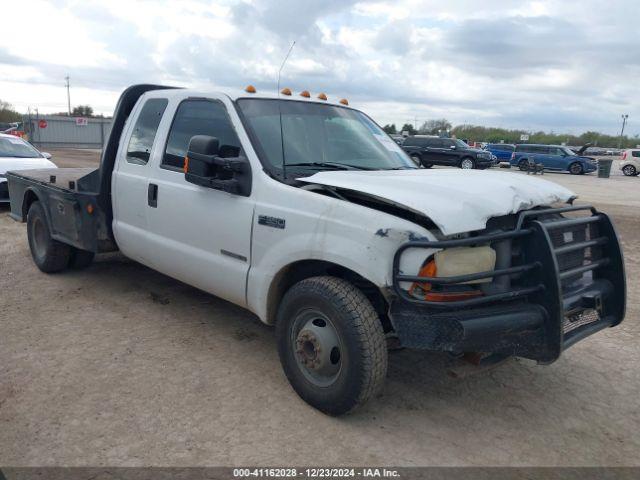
(152, 195)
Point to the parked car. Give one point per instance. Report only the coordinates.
(327, 230)
(630, 162)
(428, 151)
(16, 154)
(399, 139)
(502, 151)
(552, 157)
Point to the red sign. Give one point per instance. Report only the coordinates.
(42, 124)
(82, 122)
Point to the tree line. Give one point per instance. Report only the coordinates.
(477, 133)
(8, 114)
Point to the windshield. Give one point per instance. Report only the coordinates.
(16, 147)
(569, 152)
(461, 144)
(317, 137)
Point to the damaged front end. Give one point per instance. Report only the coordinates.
(557, 277)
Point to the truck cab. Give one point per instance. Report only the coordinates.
(307, 214)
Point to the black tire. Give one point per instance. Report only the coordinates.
(80, 258)
(466, 160)
(630, 171)
(48, 254)
(417, 160)
(576, 168)
(523, 165)
(362, 353)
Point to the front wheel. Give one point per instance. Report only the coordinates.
(576, 169)
(523, 165)
(629, 170)
(331, 344)
(467, 163)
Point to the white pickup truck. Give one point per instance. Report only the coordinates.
(306, 213)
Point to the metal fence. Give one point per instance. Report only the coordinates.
(58, 131)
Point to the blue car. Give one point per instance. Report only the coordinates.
(552, 157)
(502, 151)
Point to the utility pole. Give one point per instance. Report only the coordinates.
(624, 121)
(68, 95)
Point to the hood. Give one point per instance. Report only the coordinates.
(12, 163)
(456, 201)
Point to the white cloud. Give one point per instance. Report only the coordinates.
(545, 64)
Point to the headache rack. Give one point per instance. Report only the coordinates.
(570, 266)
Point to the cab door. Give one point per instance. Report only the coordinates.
(557, 159)
(129, 179)
(197, 234)
(450, 154)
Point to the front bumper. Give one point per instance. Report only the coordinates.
(566, 282)
(484, 161)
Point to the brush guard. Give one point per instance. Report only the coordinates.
(568, 283)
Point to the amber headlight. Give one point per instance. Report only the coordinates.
(454, 262)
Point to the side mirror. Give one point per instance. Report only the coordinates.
(204, 166)
(452, 147)
(46, 155)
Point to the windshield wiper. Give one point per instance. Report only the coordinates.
(333, 165)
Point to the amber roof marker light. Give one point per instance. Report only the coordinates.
(250, 89)
(305, 94)
(286, 91)
(322, 96)
(344, 101)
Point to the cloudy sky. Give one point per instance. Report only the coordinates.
(561, 65)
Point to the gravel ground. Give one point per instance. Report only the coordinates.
(120, 365)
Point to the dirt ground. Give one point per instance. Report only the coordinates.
(119, 365)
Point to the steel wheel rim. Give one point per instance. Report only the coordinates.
(39, 237)
(629, 170)
(467, 164)
(576, 168)
(317, 347)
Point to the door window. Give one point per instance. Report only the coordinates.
(144, 131)
(199, 117)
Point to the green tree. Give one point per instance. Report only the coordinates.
(82, 111)
(407, 127)
(8, 114)
(390, 128)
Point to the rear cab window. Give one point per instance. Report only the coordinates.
(144, 131)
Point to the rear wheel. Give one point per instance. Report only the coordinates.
(467, 163)
(576, 168)
(629, 170)
(416, 160)
(48, 254)
(331, 344)
(523, 165)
